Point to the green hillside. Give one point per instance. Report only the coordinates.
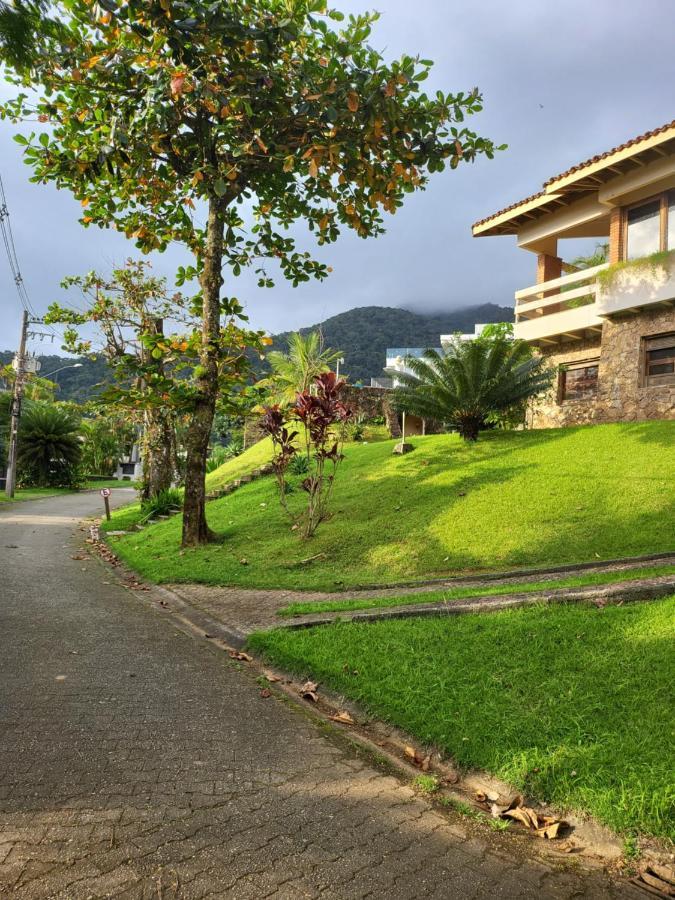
(514, 499)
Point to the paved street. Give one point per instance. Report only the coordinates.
(138, 762)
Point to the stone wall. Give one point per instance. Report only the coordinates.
(371, 402)
(622, 393)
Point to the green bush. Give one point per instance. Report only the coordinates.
(163, 503)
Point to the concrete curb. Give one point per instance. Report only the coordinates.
(620, 592)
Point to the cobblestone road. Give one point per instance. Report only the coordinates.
(137, 762)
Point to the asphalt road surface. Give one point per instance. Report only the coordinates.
(138, 762)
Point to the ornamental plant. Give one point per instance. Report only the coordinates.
(470, 383)
(219, 125)
(324, 416)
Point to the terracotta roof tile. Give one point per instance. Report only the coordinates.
(509, 208)
(601, 156)
(577, 168)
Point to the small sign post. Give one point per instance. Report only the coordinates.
(105, 493)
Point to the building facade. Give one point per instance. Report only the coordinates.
(609, 329)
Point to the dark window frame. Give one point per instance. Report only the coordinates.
(563, 397)
(655, 343)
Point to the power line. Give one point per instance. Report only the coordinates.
(10, 250)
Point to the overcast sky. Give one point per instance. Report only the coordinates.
(561, 81)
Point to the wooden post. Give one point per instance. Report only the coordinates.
(105, 493)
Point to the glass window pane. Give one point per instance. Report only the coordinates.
(644, 230)
(661, 369)
(663, 353)
(671, 221)
(580, 383)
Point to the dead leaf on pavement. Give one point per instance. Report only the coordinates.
(543, 826)
(343, 717)
(265, 693)
(658, 879)
(271, 677)
(308, 691)
(238, 654)
(418, 758)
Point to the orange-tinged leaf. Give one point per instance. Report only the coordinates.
(344, 717)
(178, 84)
(353, 101)
(313, 168)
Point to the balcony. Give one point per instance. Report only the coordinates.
(564, 308)
(637, 284)
(573, 307)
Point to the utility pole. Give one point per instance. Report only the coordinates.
(16, 409)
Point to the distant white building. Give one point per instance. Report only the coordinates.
(396, 356)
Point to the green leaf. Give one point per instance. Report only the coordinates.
(21, 139)
(220, 187)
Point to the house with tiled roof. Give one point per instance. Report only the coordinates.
(608, 329)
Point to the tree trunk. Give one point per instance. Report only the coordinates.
(158, 452)
(159, 434)
(469, 427)
(195, 529)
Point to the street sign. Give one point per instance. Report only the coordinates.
(105, 493)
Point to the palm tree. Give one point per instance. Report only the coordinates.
(295, 371)
(49, 445)
(470, 381)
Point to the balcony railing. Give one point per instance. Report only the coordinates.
(559, 307)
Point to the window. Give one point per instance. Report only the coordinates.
(650, 226)
(660, 360)
(579, 382)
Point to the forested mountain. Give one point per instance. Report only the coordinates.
(363, 334)
(79, 384)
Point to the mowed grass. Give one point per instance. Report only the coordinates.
(591, 579)
(573, 705)
(513, 499)
(42, 493)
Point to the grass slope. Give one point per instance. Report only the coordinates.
(513, 499)
(571, 704)
(250, 459)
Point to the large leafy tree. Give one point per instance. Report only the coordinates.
(294, 371)
(471, 381)
(221, 124)
(128, 312)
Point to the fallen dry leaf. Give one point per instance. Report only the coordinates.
(265, 693)
(238, 654)
(343, 717)
(664, 888)
(543, 826)
(417, 758)
(271, 677)
(308, 691)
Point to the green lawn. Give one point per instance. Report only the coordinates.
(571, 704)
(41, 493)
(590, 579)
(513, 499)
